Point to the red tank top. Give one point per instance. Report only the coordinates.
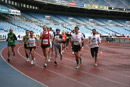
(45, 40)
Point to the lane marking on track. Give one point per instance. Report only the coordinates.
(54, 71)
(100, 67)
(20, 71)
(104, 69)
(92, 74)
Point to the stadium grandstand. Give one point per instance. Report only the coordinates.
(108, 17)
(29, 17)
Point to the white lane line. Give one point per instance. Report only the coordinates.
(108, 61)
(91, 74)
(20, 71)
(105, 69)
(54, 71)
(99, 67)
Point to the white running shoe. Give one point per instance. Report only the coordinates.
(28, 60)
(45, 65)
(95, 64)
(63, 51)
(72, 52)
(78, 66)
(32, 62)
(49, 60)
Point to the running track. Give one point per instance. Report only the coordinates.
(113, 69)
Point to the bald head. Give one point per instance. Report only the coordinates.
(48, 28)
(11, 30)
(44, 27)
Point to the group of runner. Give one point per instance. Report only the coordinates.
(54, 42)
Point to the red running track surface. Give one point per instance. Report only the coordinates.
(113, 69)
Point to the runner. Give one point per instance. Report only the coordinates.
(83, 42)
(64, 41)
(94, 41)
(11, 43)
(72, 43)
(50, 40)
(45, 44)
(57, 44)
(67, 40)
(26, 49)
(77, 38)
(31, 41)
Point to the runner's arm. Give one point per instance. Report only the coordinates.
(37, 41)
(15, 38)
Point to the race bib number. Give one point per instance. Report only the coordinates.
(76, 41)
(10, 40)
(45, 41)
(56, 37)
(31, 44)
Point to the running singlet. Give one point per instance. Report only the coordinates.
(64, 37)
(58, 37)
(94, 40)
(25, 38)
(11, 39)
(31, 42)
(77, 38)
(45, 40)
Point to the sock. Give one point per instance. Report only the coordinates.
(77, 60)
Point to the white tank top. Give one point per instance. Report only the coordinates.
(31, 42)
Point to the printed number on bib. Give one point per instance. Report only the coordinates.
(56, 37)
(31, 44)
(76, 41)
(10, 40)
(45, 41)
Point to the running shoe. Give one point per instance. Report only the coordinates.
(32, 62)
(28, 60)
(45, 65)
(78, 66)
(8, 60)
(95, 64)
(55, 62)
(49, 60)
(72, 52)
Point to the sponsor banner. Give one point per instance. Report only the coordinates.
(95, 6)
(72, 3)
(87, 6)
(80, 5)
(101, 7)
(14, 12)
(3, 10)
(106, 8)
(62, 2)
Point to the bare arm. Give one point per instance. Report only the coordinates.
(37, 41)
(41, 35)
